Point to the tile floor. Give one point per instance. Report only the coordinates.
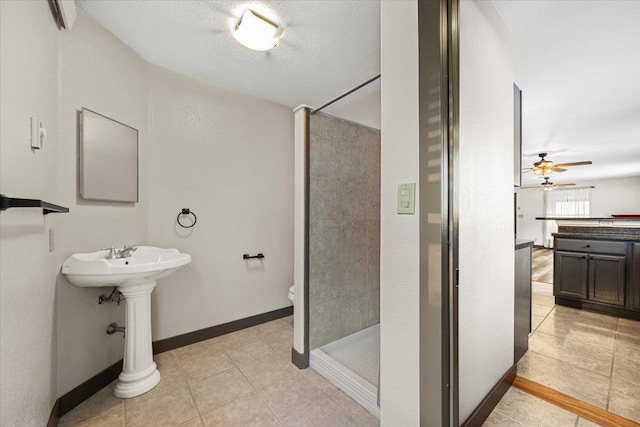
(542, 265)
(590, 356)
(240, 379)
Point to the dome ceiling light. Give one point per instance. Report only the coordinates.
(256, 32)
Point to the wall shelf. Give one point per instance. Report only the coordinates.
(13, 202)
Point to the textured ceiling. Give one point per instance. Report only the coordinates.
(327, 46)
(578, 65)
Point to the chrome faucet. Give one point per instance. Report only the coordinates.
(114, 253)
(125, 252)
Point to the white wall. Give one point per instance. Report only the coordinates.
(28, 84)
(229, 158)
(530, 205)
(486, 294)
(97, 71)
(399, 234)
(609, 196)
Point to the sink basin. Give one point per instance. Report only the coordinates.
(145, 265)
(135, 277)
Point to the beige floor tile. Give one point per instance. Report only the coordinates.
(171, 376)
(166, 358)
(249, 350)
(112, 420)
(542, 288)
(540, 310)
(194, 422)
(583, 422)
(322, 413)
(625, 400)
(531, 411)
(217, 390)
(496, 419)
(354, 410)
(287, 394)
(586, 354)
(234, 338)
(101, 405)
(542, 299)
(281, 341)
(584, 316)
(246, 411)
(197, 350)
(168, 409)
(270, 327)
(582, 384)
(579, 328)
(319, 381)
(287, 321)
(628, 331)
(629, 324)
(196, 368)
(263, 371)
(535, 322)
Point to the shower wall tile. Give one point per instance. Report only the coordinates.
(324, 282)
(344, 271)
(355, 199)
(324, 201)
(353, 277)
(373, 241)
(324, 241)
(354, 239)
(325, 158)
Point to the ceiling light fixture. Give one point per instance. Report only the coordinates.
(257, 32)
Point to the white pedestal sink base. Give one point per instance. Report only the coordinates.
(139, 371)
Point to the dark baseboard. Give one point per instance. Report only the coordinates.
(55, 414)
(599, 308)
(301, 360)
(90, 387)
(215, 331)
(87, 389)
(482, 412)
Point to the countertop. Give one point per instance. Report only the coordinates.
(598, 233)
(565, 218)
(523, 243)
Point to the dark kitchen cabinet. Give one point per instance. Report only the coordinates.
(570, 274)
(607, 278)
(598, 275)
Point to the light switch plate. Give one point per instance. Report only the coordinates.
(407, 198)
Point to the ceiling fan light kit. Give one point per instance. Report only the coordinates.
(544, 167)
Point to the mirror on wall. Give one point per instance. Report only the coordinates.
(108, 159)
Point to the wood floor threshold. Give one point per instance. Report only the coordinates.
(578, 407)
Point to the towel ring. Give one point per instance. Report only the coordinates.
(186, 212)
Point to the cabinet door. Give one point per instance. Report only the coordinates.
(570, 274)
(635, 278)
(607, 278)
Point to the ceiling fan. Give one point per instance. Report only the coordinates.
(545, 167)
(546, 185)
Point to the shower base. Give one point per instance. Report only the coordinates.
(352, 364)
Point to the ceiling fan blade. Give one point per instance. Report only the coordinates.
(562, 185)
(525, 170)
(530, 187)
(564, 165)
(557, 169)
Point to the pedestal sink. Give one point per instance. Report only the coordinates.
(135, 277)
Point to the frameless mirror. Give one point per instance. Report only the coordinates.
(108, 159)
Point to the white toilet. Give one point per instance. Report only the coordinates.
(291, 295)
